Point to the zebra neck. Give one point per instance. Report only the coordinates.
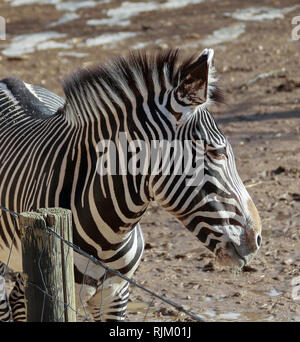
(89, 102)
(92, 97)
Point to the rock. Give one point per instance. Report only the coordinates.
(288, 261)
(148, 245)
(208, 267)
(288, 85)
(163, 46)
(279, 170)
(295, 196)
(192, 35)
(180, 256)
(284, 197)
(168, 312)
(248, 268)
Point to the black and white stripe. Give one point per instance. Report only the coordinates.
(5, 314)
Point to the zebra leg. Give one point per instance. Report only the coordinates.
(17, 300)
(4, 310)
(109, 303)
(4, 305)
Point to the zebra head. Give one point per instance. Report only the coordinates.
(150, 98)
(211, 201)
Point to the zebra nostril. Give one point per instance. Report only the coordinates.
(258, 240)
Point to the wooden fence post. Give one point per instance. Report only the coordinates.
(48, 266)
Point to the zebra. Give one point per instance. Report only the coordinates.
(4, 306)
(49, 157)
(12, 307)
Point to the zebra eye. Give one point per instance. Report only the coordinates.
(218, 153)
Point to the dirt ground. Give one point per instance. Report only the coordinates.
(259, 71)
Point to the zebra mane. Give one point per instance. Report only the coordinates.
(136, 74)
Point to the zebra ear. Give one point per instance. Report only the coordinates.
(196, 81)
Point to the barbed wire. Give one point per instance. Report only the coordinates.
(107, 269)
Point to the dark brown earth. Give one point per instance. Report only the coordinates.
(261, 120)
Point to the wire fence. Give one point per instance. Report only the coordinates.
(146, 308)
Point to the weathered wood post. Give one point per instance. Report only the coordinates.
(48, 265)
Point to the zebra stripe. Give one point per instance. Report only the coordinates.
(4, 304)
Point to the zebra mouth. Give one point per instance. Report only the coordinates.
(230, 256)
(238, 254)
